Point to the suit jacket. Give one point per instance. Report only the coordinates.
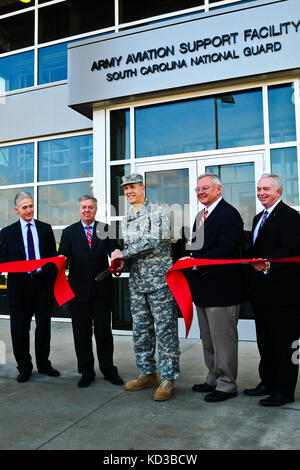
(218, 286)
(86, 262)
(12, 249)
(279, 237)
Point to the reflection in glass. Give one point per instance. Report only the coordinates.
(239, 119)
(238, 182)
(133, 11)
(8, 6)
(75, 17)
(171, 187)
(282, 114)
(71, 157)
(7, 213)
(53, 63)
(284, 163)
(118, 200)
(120, 134)
(17, 71)
(16, 32)
(187, 126)
(16, 164)
(58, 203)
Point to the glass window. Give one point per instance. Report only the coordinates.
(166, 129)
(53, 63)
(284, 163)
(71, 157)
(118, 200)
(120, 134)
(121, 318)
(239, 119)
(16, 164)
(7, 212)
(16, 32)
(58, 203)
(17, 71)
(74, 17)
(282, 114)
(133, 11)
(8, 6)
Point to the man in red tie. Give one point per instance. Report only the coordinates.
(91, 308)
(29, 293)
(217, 290)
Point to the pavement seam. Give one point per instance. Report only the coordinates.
(78, 421)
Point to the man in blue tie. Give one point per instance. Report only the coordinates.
(29, 293)
(274, 293)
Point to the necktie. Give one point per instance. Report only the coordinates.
(264, 218)
(30, 244)
(89, 234)
(203, 218)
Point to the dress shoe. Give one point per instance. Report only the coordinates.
(258, 391)
(203, 388)
(115, 380)
(217, 395)
(23, 377)
(276, 399)
(50, 371)
(86, 380)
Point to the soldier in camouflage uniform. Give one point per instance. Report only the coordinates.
(146, 234)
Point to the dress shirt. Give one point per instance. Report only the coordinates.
(270, 209)
(35, 237)
(212, 206)
(88, 225)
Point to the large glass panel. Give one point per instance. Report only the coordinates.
(8, 6)
(282, 114)
(238, 182)
(7, 212)
(17, 71)
(53, 64)
(121, 317)
(118, 200)
(239, 119)
(57, 203)
(16, 164)
(132, 11)
(187, 126)
(120, 134)
(67, 158)
(74, 17)
(284, 163)
(16, 32)
(171, 187)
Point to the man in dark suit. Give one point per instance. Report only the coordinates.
(274, 293)
(29, 293)
(217, 290)
(91, 307)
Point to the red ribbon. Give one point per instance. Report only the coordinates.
(180, 288)
(62, 291)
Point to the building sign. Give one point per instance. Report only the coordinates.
(233, 44)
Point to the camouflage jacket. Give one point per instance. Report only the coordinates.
(146, 236)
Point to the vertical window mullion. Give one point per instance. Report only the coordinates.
(267, 157)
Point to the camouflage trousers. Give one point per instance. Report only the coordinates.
(154, 320)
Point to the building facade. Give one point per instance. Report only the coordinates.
(91, 90)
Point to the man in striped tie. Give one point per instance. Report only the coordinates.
(91, 308)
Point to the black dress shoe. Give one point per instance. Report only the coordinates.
(258, 391)
(217, 396)
(276, 399)
(203, 388)
(23, 377)
(115, 380)
(86, 380)
(50, 371)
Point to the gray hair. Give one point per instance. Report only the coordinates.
(21, 195)
(214, 177)
(276, 178)
(86, 197)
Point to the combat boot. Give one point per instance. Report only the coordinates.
(143, 381)
(164, 391)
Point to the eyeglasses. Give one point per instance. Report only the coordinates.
(204, 188)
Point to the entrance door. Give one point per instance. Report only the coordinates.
(173, 183)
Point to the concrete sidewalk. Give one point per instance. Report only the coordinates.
(54, 414)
